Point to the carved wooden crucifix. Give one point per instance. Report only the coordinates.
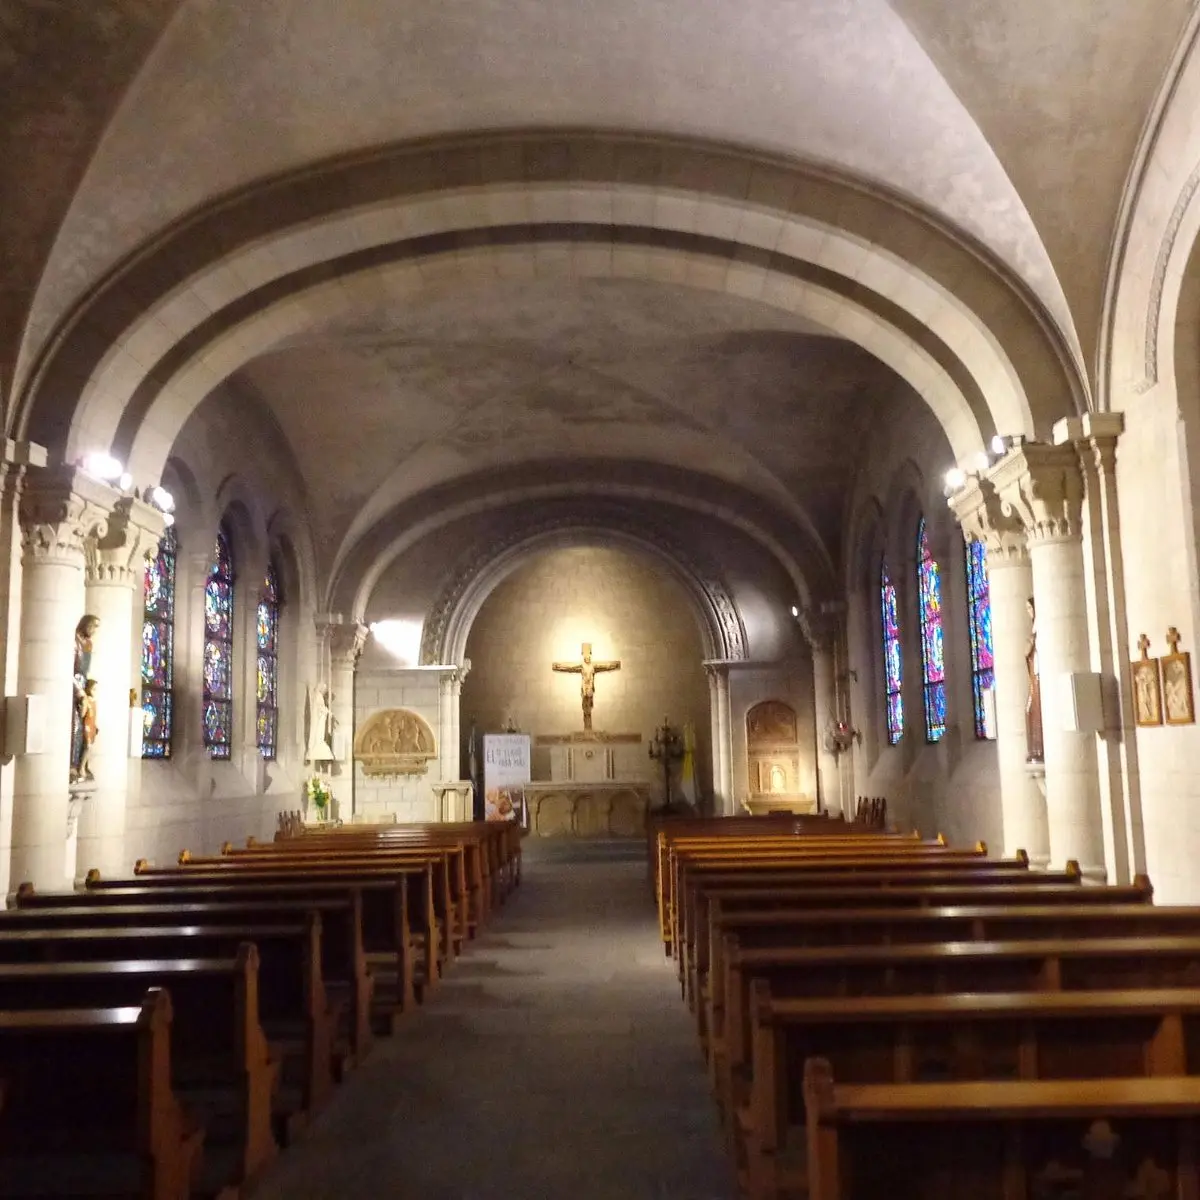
(586, 669)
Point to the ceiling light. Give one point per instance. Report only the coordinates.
(168, 520)
(983, 460)
(955, 478)
(100, 465)
(162, 499)
(999, 445)
(795, 611)
(125, 482)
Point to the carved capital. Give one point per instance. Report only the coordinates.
(822, 623)
(1042, 487)
(345, 640)
(61, 511)
(119, 556)
(979, 511)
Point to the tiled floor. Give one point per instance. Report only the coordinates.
(556, 1060)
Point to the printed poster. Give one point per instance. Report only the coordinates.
(506, 764)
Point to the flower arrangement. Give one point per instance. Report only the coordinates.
(318, 793)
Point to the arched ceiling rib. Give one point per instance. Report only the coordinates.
(235, 92)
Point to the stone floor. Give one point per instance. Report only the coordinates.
(556, 1060)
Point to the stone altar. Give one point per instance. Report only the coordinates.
(599, 786)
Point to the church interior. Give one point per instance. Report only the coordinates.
(454, 445)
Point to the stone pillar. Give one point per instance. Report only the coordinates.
(459, 678)
(825, 709)
(446, 771)
(722, 737)
(60, 511)
(1042, 485)
(344, 641)
(115, 574)
(1010, 583)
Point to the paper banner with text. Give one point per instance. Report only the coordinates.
(506, 764)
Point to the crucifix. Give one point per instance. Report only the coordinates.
(586, 669)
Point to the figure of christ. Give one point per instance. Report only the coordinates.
(586, 669)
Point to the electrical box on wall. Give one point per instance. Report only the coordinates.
(1081, 703)
(24, 725)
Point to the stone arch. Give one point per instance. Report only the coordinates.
(478, 573)
(785, 232)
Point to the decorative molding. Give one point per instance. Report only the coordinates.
(120, 555)
(978, 509)
(1042, 487)
(727, 633)
(395, 741)
(60, 512)
(1158, 283)
(345, 640)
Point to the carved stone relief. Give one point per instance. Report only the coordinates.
(395, 741)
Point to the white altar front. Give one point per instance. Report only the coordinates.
(599, 786)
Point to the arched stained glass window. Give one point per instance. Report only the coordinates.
(267, 719)
(979, 623)
(933, 660)
(892, 672)
(158, 648)
(218, 651)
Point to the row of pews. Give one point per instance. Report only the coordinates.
(884, 1016)
(162, 1036)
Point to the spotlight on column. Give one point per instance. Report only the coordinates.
(999, 446)
(168, 520)
(983, 460)
(161, 499)
(125, 482)
(101, 465)
(795, 611)
(955, 478)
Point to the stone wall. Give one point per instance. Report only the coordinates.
(629, 609)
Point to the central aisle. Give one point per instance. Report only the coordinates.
(555, 1060)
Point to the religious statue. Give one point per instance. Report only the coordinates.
(85, 631)
(87, 721)
(1033, 705)
(586, 669)
(318, 749)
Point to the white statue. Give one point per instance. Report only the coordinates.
(318, 749)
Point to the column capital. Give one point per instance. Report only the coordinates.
(821, 623)
(119, 556)
(980, 513)
(61, 510)
(344, 638)
(1042, 487)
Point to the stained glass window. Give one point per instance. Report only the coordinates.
(268, 664)
(979, 623)
(218, 651)
(892, 672)
(933, 661)
(158, 648)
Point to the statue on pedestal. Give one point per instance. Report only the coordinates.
(1034, 745)
(317, 748)
(586, 669)
(83, 697)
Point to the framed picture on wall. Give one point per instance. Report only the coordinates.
(1178, 703)
(1147, 687)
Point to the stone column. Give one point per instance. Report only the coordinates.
(718, 758)
(344, 640)
(115, 574)
(725, 734)
(459, 678)
(825, 712)
(60, 511)
(1010, 583)
(446, 771)
(1042, 486)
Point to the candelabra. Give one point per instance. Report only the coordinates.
(666, 749)
(840, 736)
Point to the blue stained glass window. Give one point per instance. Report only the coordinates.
(158, 648)
(267, 719)
(892, 668)
(933, 660)
(217, 712)
(979, 623)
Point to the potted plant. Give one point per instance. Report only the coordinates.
(319, 796)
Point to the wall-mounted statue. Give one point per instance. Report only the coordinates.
(1033, 705)
(318, 747)
(82, 697)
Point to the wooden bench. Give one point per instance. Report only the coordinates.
(1106, 1139)
(907, 1039)
(222, 1069)
(380, 901)
(771, 923)
(88, 1105)
(931, 969)
(336, 988)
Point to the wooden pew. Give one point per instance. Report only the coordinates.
(335, 984)
(765, 913)
(932, 969)
(380, 901)
(1106, 1139)
(906, 1039)
(222, 1068)
(88, 1105)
